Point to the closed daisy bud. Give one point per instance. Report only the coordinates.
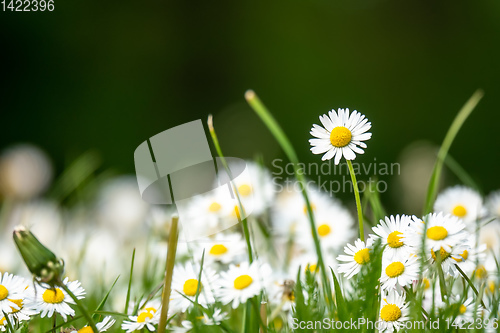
(41, 262)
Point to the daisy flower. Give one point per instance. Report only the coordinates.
(103, 326)
(242, 282)
(399, 272)
(333, 225)
(147, 317)
(257, 189)
(25, 306)
(185, 285)
(49, 300)
(224, 248)
(493, 204)
(462, 202)
(450, 259)
(392, 233)
(443, 231)
(281, 293)
(341, 135)
(357, 256)
(394, 312)
(213, 320)
(466, 309)
(11, 289)
(470, 256)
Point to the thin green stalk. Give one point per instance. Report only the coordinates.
(167, 285)
(459, 120)
(442, 281)
(280, 136)
(80, 305)
(244, 222)
(469, 282)
(358, 201)
(127, 300)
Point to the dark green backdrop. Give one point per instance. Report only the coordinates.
(109, 74)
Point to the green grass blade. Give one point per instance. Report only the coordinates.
(459, 120)
(127, 300)
(287, 147)
(244, 222)
(104, 300)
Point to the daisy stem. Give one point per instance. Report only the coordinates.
(469, 282)
(280, 136)
(80, 305)
(244, 222)
(167, 285)
(358, 201)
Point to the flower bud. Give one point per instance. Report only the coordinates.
(41, 262)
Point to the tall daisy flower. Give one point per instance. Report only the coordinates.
(357, 256)
(342, 134)
(443, 231)
(49, 300)
(392, 233)
(399, 272)
(185, 286)
(103, 326)
(242, 282)
(11, 288)
(462, 202)
(394, 312)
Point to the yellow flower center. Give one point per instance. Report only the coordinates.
(151, 310)
(437, 233)
(463, 256)
(312, 268)
(491, 287)
(459, 211)
(218, 249)
(362, 256)
(324, 230)
(427, 283)
(444, 255)
(340, 136)
(242, 282)
(214, 207)
(141, 318)
(481, 272)
(313, 208)
(245, 190)
(395, 269)
(390, 312)
(462, 309)
(86, 329)
(191, 287)
(3, 292)
(53, 296)
(18, 302)
(394, 240)
(2, 321)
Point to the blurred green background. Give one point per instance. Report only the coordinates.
(106, 75)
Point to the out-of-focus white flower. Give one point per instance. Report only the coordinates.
(224, 248)
(493, 204)
(121, 208)
(462, 202)
(25, 172)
